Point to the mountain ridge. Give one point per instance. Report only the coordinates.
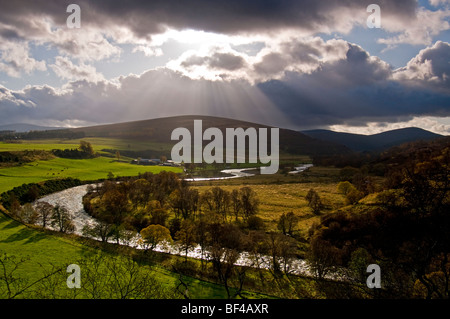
(25, 127)
(374, 142)
(160, 129)
(308, 142)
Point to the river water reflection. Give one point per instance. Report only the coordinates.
(243, 172)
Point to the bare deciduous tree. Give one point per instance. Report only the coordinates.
(44, 211)
(62, 220)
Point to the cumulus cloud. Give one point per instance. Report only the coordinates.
(85, 44)
(64, 68)
(32, 102)
(148, 50)
(439, 2)
(430, 68)
(15, 58)
(278, 70)
(354, 89)
(23, 25)
(211, 63)
(301, 55)
(152, 94)
(218, 60)
(419, 30)
(106, 25)
(226, 61)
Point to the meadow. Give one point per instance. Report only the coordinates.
(98, 143)
(83, 169)
(276, 199)
(279, 193)
(42, 250)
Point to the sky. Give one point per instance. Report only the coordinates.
(286, 63)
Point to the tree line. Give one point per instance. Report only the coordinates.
(224, 224)
(84, 151)
(38, 135)
(405, 229)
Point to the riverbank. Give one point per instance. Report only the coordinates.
(72, 200)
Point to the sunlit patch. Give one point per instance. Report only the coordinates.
(210, 64)
(208, 55)
(189, 36)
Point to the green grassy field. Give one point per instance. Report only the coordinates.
(278, 193)
(284, 193)
(98, 144)
(83, 169)
(45, 145)
(41, 250)
(23, 242)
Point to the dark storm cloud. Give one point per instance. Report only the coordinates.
(240, 15)
(155, 93)
(355, 90)
(8, 33)
(145, 18)
(321, 106)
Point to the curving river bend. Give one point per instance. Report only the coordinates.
(72, 200)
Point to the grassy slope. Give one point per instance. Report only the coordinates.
(85, 169)
(159, 131)
(88, 169)
(41, 248)
(286, 195)
(20, 241)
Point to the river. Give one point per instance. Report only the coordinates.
(72, 200)
(300, 168)
(234, 172)
(244, 172)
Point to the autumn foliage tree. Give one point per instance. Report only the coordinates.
(27, 214)
(406, 231)
(86, 148)
(186, 236)
(184, 200)
(249, 202)
(314, 201)
(225, 244)
(154, 235)
(287, 223)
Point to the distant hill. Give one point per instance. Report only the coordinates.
(375, 142)
(159, 131)
(22, 127)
